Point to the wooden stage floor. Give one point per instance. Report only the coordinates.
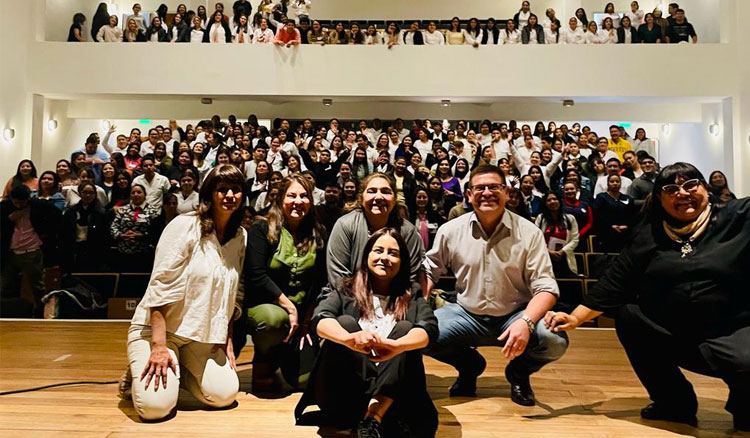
(590, 392)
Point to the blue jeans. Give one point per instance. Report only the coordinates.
(460, 330)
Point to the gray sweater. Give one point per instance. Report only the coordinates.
(347, 243)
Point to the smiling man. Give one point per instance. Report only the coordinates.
(505, 285)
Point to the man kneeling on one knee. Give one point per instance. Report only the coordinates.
(505, 286)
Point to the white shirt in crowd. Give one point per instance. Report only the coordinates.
(523, 19)
(433, 38)
(608, 37)
(187, 204)
(552, 37)
(533, 37)
(423, 148)
(510, 37)
(196, 36)
(109, 34)
(263, 36)
(154, 38)
(147, 148)
(218, 35)
(302, 7)
(601, 185)
(196, 279)
(241, 34)
(615, 20)
(502, 149)
(380, 322)
(636, 18)
(373, 39)
(569, 36)
(155, 190)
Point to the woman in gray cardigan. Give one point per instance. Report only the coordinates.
(533, 26)
(376, 210)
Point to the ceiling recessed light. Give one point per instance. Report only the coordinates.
(52, 124)
(327, 102)
(567, 103)
(445, 102)
(206, 100)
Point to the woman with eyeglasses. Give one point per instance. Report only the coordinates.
(675, 296)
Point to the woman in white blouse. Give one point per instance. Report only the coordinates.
(217, 31)
(510, 35)
(552, 34)
(592, 34)
(241, 33)
(111, 33)
(455, 35)
(609, 12)
(608, 34)
(636, 15)
(181, 330)
(263, 35)
(196, 34)
(372, 36)
(187, 198)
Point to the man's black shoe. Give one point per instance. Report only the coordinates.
(368, 428)
(655, 412)
(520, 389)
(466, 383)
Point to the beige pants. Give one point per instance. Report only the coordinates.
(206, 374)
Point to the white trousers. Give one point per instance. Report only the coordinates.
(206, 374)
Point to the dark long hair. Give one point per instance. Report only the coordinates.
(17, 178)
(399, 292)
(55, 184)
(540, 185)
(101, 18)
(554, 218)
(310, 230)
(224, 173)
(119, 194)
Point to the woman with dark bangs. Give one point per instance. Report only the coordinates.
(369, 374)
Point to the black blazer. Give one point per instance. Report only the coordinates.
(98, 233)
(418, 38)
(45, 218)
(162, 34)
(633, 34)
(183, 33)
(227, 32)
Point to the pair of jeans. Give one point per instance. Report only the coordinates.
(461, 331)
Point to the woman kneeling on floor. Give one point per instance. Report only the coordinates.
(179, 333)
(369, 372)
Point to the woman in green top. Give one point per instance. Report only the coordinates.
(284, 273)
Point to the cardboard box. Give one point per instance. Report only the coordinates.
(121, 308)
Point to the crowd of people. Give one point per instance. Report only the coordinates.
(309, 232)
(104, 209)
(273, 24)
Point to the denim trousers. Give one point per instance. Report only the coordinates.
(461, 331)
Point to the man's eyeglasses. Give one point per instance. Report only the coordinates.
(689, 186)
(494, 188)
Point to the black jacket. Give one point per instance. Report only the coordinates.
(45, 218)
(227, 32)
(418, 38)
(97, 238)
(635, 38)
(162, 34)
(324, 173)
(183, 33)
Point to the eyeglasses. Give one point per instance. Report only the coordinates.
(494, 188)
(689, 186)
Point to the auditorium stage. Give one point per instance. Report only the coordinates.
(590, 392)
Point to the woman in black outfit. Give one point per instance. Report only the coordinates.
(84, 233)
(677, 297)
(156, 28)
(75, 34)
(101, 18)
(370, 371)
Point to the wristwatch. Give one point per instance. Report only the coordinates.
(530, 322)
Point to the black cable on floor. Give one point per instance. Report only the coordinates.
(57, 385)
(85, 382)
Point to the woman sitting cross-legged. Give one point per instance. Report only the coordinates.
(284, 273)
(369, 372)
(180, 334)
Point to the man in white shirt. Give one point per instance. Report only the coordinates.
(573, 34)
(505, 286)
(147, 147)
(156, 185)
(613, 168)
(259, 154)
(602, 148)
(433, 37)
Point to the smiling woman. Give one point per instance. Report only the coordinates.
(377, 202)
(673, 293)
